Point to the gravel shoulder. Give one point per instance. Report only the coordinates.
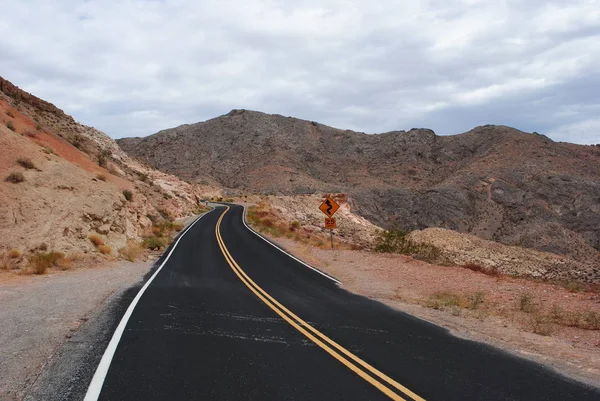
(52, 324)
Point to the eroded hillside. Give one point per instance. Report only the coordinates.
(62, 182)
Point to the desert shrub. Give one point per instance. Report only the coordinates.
(40, 262)
(158, 231)
(10, 126)
(26, 163)
(294, 225)
(557, 314)
(167, 196)
(177, 226)
(142, 176)
(526, 303)
(397, 241)
(49, 150)
(105, 249)
(541, 324)
(131, 252)
(96, 240)
(43, 247)
(153, 243)
(476, 299)
(38, 127)
(573, 286)
(10, 114)
(128, 194)
(101, 177)
(15, 177)
(77, 141)
(592, 320)
(14, 253)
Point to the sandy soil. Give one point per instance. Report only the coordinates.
(39, 313)
(410, 285)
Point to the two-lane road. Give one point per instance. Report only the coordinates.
(229, 317)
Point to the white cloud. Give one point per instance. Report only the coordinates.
(132, 67)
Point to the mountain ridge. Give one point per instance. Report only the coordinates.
(496, 182)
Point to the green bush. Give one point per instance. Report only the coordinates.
(10, 126)
(397, 241)
(153, 243)
(128, 194)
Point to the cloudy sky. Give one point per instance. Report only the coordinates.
(133, 67)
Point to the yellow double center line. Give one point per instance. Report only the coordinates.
(351, 361)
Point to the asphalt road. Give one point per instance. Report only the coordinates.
(230, 317)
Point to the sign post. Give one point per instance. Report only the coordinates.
(329, 207)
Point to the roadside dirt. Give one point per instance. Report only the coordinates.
(40, 313)
(423, 290)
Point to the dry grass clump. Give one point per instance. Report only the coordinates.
(26, 163)
(14, 253)
(101, 177)
(6, 262)
(96, 240)
(105, 249)
(443, 300)
(132, 251)
(527, 303)
(40, 262)
(15, 177)
(49, 150)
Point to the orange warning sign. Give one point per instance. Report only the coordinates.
(329, 207)
(330, 222)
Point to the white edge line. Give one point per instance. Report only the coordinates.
(95, 387)
(287, 253)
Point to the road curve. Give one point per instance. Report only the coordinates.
(229, 317)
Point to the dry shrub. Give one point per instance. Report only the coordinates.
(15, 177)
(397, 241)
(105, 249)
(10, 114)
(49, 150)
(42, 261)
(131, 252)
(6, 263)
(541, 324)
(14, 253)
(96, 240)
(446, 299)
(177, 226)
(10, 126)
(26, 163)
(158, 231)
(526, 303)
(128, 194)
(101, 177)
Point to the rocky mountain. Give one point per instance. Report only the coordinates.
(495, 182)
(61, 182)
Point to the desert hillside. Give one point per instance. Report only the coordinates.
(62, 183)
(494, 182)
